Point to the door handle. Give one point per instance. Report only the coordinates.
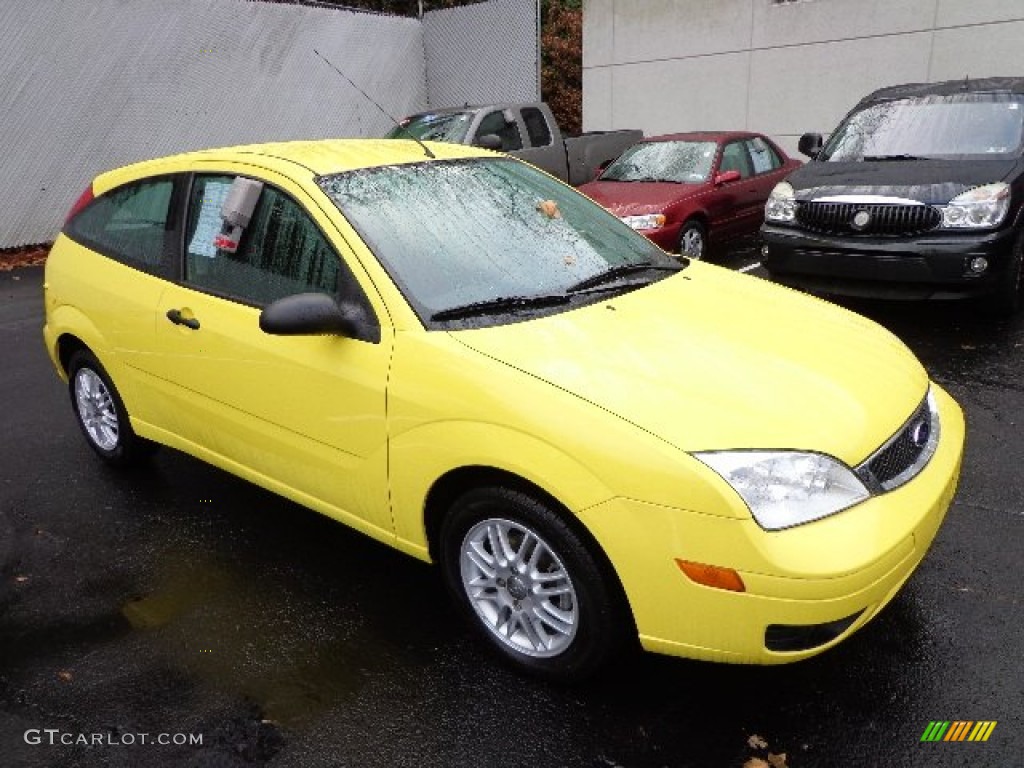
(175, 316)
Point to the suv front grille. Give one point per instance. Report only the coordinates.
(876, 219)
(904, 454)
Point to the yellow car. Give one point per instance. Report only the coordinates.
(458, 355)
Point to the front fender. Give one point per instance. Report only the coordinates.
(421, 456)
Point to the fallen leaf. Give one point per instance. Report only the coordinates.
(21, 579)
(967, 346)
(756, 742)
(756, 762)
(64, 675)
(777, 761)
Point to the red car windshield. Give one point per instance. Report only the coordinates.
(682, 162)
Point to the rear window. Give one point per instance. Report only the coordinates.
(129, 224)
(947, 127)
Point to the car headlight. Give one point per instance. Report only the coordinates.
(647, 221)
(979, 208)
(787, 488)
(781, 204)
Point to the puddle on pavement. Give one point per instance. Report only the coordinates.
(224, 629)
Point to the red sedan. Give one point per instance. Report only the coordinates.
(686, 191)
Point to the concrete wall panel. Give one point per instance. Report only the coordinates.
(812, 21)
(674, 29)
(957, 13)
(681, 95)
(988, 50)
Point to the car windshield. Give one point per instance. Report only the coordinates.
(480, 231)
(955, 126)
(450, 127)
(682, 162)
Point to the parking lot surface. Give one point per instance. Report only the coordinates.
(141, 613)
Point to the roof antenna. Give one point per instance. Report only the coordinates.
(424, 147)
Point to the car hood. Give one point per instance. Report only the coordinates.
(711, 359)
(933, 182)
(632, 198)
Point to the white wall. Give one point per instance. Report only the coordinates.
(88, 85)
(784, 69)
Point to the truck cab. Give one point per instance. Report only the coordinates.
(528, 131)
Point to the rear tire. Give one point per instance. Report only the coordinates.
(101, 414)
(529, 585)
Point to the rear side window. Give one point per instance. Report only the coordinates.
(536, 127)
(281, 252)
(129, 224)
(763, 156)
(505, 130)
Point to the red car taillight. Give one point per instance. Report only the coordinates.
(83, 200)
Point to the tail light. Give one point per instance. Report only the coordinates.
(83, 200)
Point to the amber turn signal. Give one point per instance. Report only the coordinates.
(712, 576)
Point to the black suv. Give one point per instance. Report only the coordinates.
(919, 193)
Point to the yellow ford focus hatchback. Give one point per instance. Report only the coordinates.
(459, 356)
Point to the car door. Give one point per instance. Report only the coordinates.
(546, 150)
(767, 167)
(301, 415)
(740, 215)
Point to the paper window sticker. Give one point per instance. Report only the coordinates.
(210, 222)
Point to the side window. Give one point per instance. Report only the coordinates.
(508, 132)
(762, 155)
(129, 224)
(281, 252)
(536, 127)
(735, 158)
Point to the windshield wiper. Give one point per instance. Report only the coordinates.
(885, 158)
(614, 273)
(500, 305)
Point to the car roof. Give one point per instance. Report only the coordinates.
(318, 157)
(947, 88)
(718, 136)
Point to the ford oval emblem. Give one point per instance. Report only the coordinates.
(861, 219)
(920, 433)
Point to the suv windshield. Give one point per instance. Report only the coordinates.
(450, 127)
(955, 126)
(683, 162)
(480, 231)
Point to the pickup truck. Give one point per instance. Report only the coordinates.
(528, 131)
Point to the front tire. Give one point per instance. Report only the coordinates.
(101, 414)
(529, 584)
(1008, 297)
(693, 240)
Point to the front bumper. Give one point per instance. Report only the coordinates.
(666, 238)
(807, 588)
(932, 266)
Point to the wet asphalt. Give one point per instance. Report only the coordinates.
(180, 602)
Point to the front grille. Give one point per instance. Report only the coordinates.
(905, 453)
(879, 219)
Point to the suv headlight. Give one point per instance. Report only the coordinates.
(647, 221)
(979, 208)
(781, 204)
(787, 488)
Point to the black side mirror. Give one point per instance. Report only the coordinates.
(810, 144)
(316, 314)
(489, 141)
